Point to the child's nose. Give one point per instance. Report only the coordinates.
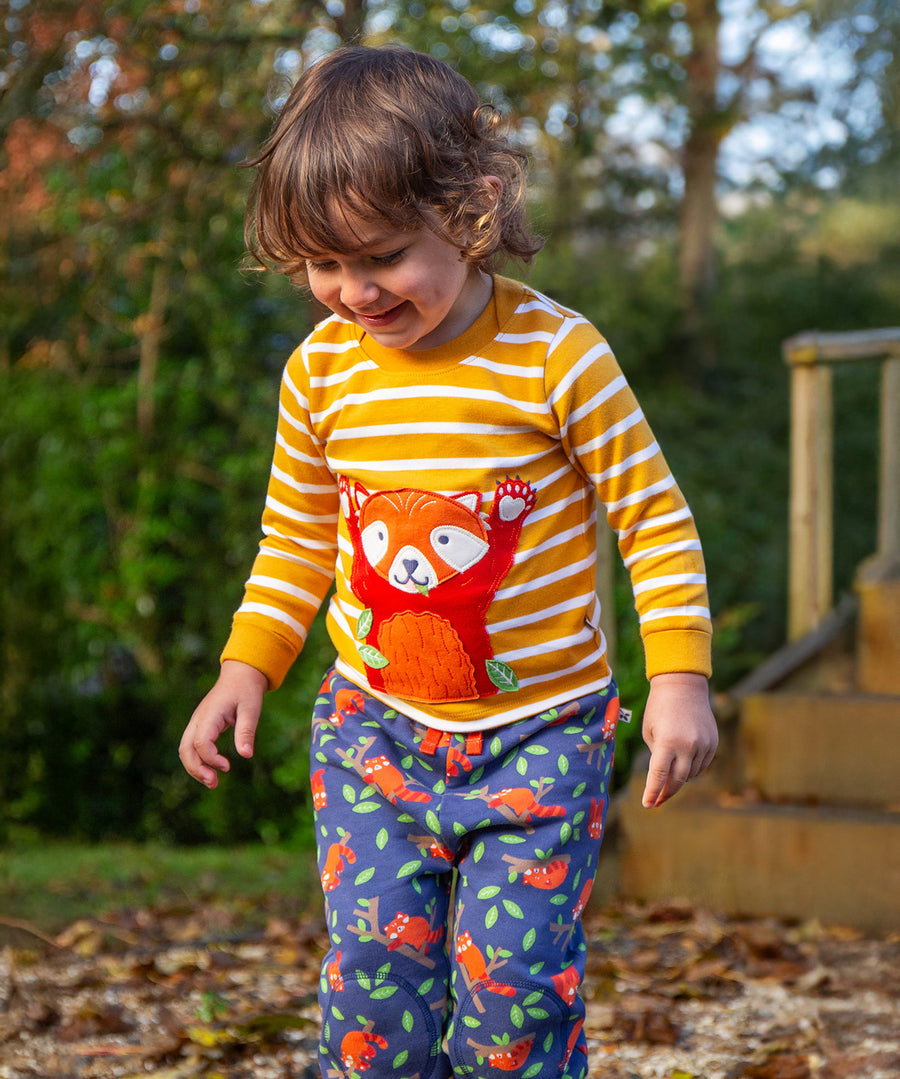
(358, 288)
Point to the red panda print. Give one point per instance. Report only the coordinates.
(572, 1043)
(440, 850)
(595, 819)
(411, 930)
(319, 794)
(427, 567)
(578, 909)
(333, 973)
(566, 984)
(611, 719)
(358, 1049)
(456, 759)
(509, 1058)
(469, 956)
(389, 780)
(522, 802)
(335, 864)
(347, 702)
(546, 876)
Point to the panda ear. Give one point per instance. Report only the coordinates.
(470, 499)
(361, 495)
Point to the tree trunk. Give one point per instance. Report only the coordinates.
(698, 215)
(349, 24)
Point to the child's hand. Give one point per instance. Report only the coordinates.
(234, 701)
(681, 732)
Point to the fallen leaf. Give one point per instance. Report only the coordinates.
(779, 1066)
(641, 1021)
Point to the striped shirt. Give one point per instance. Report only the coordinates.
(451, 494)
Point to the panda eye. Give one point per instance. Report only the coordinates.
(459, 547)
(375, 541)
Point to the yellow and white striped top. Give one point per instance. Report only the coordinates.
(452, 494)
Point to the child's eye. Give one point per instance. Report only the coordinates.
(319, 267)
(389, 259)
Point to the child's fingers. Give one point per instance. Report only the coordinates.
(245, 730)
(665, 777)
(201, 757)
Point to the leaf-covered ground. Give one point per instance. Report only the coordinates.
(673, 992)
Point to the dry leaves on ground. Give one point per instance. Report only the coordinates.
(673, 992)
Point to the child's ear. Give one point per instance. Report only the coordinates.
(495, 182)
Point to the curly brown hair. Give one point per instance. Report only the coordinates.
(386, 134)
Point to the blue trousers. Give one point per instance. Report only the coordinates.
(455, 870)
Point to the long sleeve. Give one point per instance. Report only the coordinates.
(294, 568)
(605, 433)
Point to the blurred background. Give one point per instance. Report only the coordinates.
(711, 178)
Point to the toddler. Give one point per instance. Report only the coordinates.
(444, 440)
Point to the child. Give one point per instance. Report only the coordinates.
(443, 439)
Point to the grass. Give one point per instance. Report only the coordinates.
(52, 884)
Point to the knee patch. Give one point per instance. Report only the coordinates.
(523, 1029)
(377, 1024)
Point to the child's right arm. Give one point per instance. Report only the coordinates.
(234, 701)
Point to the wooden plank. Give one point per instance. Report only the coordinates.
(834, 749)
(878, 637)
(814, 347)
(840, 867)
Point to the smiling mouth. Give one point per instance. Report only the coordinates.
(383, 317)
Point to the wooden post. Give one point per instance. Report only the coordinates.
(811, 499)
(889, 478)
(810, 565)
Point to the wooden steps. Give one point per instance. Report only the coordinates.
(822, 748)
(800, 816)
(835, 865)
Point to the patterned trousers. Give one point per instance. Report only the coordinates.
(455, 870)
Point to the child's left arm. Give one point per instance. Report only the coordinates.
(681, 732)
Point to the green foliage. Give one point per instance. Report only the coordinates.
(139, 366)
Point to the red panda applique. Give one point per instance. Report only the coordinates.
(426, 568)
(411, 930)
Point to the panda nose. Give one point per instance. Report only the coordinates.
(410, 565)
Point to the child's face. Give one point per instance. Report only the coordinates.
(407, 290)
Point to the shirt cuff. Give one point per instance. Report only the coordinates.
(684, 650)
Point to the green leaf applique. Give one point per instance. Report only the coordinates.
(364, 624)
(372, 657)
(502, 675)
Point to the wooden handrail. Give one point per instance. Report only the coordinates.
(810, 585)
